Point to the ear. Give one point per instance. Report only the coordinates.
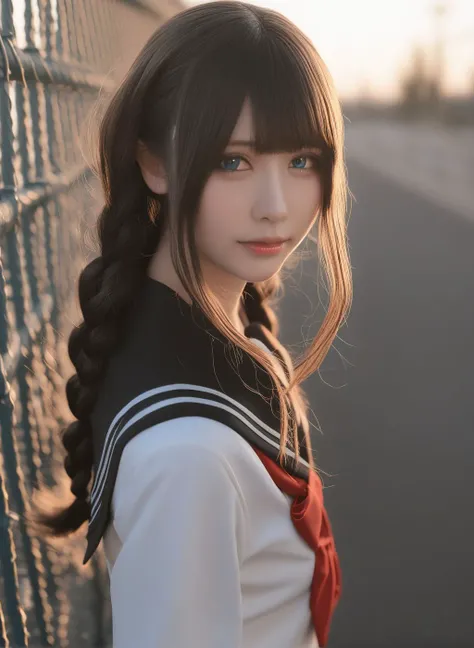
(153, 170)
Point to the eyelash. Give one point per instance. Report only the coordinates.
(316, 159)
(310, 156)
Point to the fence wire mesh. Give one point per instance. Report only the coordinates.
(57, 58)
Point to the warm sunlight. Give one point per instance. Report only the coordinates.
(367, 44)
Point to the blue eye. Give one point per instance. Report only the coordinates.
(230, 163)
(301, 161)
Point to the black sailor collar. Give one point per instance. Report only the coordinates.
(173, 363)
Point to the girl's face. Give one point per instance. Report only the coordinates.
(253, 197)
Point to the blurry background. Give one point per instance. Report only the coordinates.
(394, 400)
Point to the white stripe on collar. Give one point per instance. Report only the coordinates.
(156, 391)
(114, 432)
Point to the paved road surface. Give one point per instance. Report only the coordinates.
(397, 413)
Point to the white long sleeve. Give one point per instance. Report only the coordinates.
(176, 580)
(202, 551)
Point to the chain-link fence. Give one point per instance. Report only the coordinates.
(57, 57)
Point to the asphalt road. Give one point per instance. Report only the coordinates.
(395, 401)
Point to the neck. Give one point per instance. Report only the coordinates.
(228, 290)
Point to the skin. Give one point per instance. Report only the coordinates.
(249, 197)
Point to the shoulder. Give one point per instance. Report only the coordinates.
(188, 450)
(188, 437)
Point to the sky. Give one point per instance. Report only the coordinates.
(368, 44)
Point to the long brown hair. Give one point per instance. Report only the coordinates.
(182, 98)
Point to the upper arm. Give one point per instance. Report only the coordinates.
(176, 581)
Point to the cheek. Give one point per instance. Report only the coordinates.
(220, 211)
(306, 201)
(314, 195)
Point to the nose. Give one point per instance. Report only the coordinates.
(271, 203)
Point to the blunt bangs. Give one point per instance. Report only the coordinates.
(285, 102)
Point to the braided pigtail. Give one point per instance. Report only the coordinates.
(128, 231)
(258, 298)
(107, 286)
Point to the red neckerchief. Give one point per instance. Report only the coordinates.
(312, 523)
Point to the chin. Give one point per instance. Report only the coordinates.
(258, 278)
(258, 275)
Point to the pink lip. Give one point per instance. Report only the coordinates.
(266, 241)
(267, 247)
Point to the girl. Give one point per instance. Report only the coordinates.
(218, 152)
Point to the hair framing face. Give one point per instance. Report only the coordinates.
(239, 52)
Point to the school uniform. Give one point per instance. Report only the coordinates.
(209, 541)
